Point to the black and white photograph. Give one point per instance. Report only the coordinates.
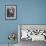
(10, 12)
(29, 34)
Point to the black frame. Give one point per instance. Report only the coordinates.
(6, 12)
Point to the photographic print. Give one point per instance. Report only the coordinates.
(10, 12)
(32, 32)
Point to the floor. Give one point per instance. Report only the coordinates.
(30, 43)
(7, 45)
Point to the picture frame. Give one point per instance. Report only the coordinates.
(10, 12)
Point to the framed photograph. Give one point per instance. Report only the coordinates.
(10, 12)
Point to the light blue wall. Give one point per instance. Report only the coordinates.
(28, 12)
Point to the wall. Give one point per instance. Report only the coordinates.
(28, 12)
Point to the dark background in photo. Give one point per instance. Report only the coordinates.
(10, 12)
